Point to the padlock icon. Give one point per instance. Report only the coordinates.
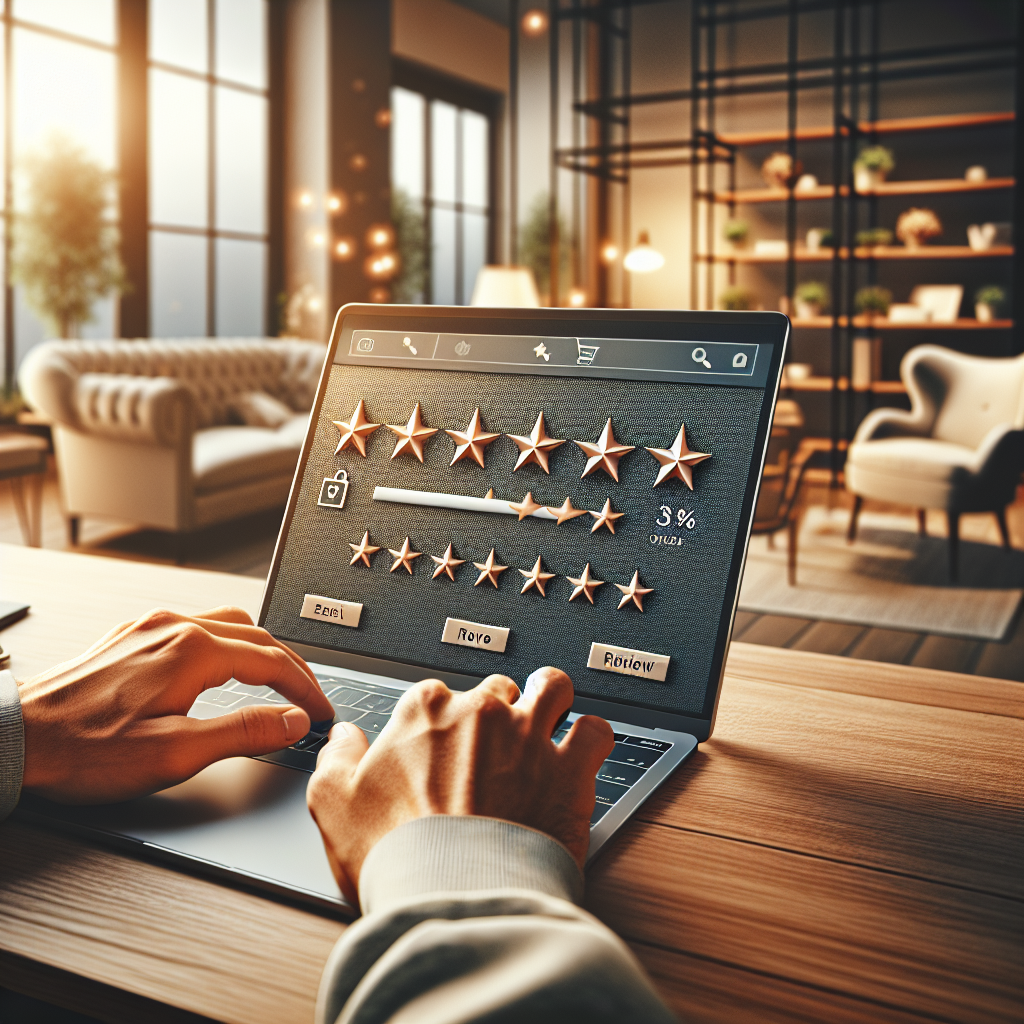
(739, 360)
(334, 490)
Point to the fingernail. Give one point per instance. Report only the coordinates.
(296, 723)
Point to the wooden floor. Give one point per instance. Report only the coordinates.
(245, 547)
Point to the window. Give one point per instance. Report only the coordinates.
(208, 118)
(442, 159)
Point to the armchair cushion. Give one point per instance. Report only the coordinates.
(228, 456)
(258, 409)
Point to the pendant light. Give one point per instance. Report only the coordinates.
(643, 258)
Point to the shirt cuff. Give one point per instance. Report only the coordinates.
(12, 744)
(462, 853)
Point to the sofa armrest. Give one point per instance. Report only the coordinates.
(157, 410)
(1001, 452)
(882, 423)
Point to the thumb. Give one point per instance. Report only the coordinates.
(249, 732)
(346, 745)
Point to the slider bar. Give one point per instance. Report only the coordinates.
(465, 503)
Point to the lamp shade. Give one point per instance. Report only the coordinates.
(643, 257)
(505, 286)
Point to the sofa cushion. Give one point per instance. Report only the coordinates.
(258, 409)
(228, 456)
(913, 458)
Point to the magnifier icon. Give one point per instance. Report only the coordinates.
(700, 356)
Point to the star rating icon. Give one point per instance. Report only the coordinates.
(411, 436)
(489, 570)
(535, 447)
(606, 517)
(361, 552)
(470, 443)
(566, 512)
(526, 507)
(403, 557)
(605, 454)
(447, 564)
(536, 577)
(677, 461)
(585, 585)
(634, 592)
(355, 431)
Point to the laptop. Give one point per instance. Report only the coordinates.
(494, 490)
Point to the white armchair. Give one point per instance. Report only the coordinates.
(166, 433)
(960, 448)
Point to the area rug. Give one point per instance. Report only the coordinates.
(890, 578)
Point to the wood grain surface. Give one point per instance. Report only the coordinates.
(847, 847)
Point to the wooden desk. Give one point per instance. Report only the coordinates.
(848, 847)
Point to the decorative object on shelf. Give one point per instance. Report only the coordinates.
(780, 169)
(873, 301)
(981, 237)
(940, 301)
(797, 372)
(916, 225)
(811, 299)
(736, 232)
(771, 247)
(976, 174)
(863, 361)
(874, 236)
(907, 313)
(736, 298)
(872, 166)
(643, 258)
(818, 238)
(806, 183)
(987, 303)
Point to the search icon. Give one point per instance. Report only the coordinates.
(700, 356)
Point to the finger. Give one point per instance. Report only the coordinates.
(245, 733)
(111, 634)
(589, 742)
(346, 746)
(501, 686)
(548, 697)
(227, 613)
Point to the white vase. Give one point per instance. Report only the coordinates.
(807, 310)
(984, 312)
(867, 179)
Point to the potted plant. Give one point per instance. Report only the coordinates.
(819, 238)
(874, 236)
(736, 232)
(736, 298)
(873, 301)
(535, 248)
(915, 226)
(870, 168)
(811, 299)
(987, 302)
(65, 246)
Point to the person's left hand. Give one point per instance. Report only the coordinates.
(111, 724)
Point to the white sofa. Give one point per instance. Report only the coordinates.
(165, 433)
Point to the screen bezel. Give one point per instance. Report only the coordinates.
(776, 324)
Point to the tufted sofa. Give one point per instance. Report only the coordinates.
(159, 432)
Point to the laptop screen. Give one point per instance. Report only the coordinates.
(493, 494)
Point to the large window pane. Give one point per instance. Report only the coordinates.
(178, 33)
(177, 285)
(65, 87)
(442, 157)
(407, 151)
(241, 161)
(474, 250)
(241, 41)
(93, 19)
(474, 158)
(177, 150)
(240, 277)
(442, 264)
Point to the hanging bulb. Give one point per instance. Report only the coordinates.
(643, 257)
(609, 252)
(535, 23)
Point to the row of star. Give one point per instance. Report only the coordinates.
(535, 447)
(490, 570)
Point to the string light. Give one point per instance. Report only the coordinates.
(609, 252)
(380, 236)
(305, 200)
(336, 203)
(344, 249)
(381, 266)
(577, 297)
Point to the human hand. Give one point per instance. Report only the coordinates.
(111, 724)
(485, 752)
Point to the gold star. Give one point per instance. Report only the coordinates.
(634, 592)
(585, 585)
(566, 511)
(363, 550)
(526, 507)
(489, 570)
(606, 517)
(535, 448)
(355, 431)
(471, 441)
(490, 493)
(606, 453)
(447, 564)
(536, 577)
(403, 557)
(412, 435)
(677, 460)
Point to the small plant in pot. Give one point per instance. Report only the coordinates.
(736, 298)
(988, 301)
(819, 238)
(736, 232)
(873, 301)
(874, 236)
(915, 226)
(811, 299)
(871, 167)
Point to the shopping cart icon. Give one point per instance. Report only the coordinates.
(587, 353)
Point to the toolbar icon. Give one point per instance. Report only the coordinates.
(739, 360)
(586, 353)
(334, 490)
(541, 352)
(364, 345)
(462, 348)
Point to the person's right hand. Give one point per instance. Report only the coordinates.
(484, 752)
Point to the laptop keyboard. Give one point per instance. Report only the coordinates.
(369, 706)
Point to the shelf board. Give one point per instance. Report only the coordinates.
(887, 188)
(887, 127)
(883, 324)
(875, 252)
(878, 387)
